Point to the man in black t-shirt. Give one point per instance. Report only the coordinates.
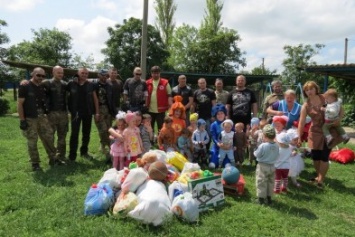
(187, 95)
(204, 100)
(135, 92)
(241, 103)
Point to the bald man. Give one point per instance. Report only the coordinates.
(32, 109)
(56, 90)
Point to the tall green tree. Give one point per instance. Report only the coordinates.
(165, 10)
(4, 70)
(124, 47)
(3, 36)
(299, 57)
(209, 49)
(50, 47)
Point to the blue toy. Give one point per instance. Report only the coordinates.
(230, 174)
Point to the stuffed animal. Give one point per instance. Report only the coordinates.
(158, 171)
(147, 159)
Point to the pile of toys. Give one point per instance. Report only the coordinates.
(154, 188)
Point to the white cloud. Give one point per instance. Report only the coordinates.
(19, 5)
(88, 38)
(107, 5)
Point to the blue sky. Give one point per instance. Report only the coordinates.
(265, 26)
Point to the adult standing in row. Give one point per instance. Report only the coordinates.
(221, 95)
(107, 110)
(83, 103)
(56, 92)
(241, 103)
(159, 97)
(117, 88)
(32, 110)
(204, 100)
(186, 93)
(276, 95)
(316, 139)
(135, 93)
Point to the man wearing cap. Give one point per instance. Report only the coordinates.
(32, 110)
(106, 102)
(117, 88)
(159, 97)
(135, 93)
(82, 103)
(186, 93)
(241, 103)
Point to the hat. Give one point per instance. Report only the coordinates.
(292, 133)
(269, 131)
(130, 116)
(201, 122)
(254, 121)
(121, 115)
(218, 107)
(194, 117)
(227, 121)
(177, 105)
(103, 71)
(281, 119)
(283, 138)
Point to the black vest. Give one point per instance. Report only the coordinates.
(35, 100)
(57, 100)
(74, 100)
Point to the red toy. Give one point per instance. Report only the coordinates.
(344, 156)
(305, 129)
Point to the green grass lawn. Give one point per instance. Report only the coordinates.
(51, 203)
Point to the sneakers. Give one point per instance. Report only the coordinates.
(87, 156)
(53, 162)
(36, 167)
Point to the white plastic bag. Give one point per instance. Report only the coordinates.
(175, 189)
(134, 179)
(186, 207)
(154, 204)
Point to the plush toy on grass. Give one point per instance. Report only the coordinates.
(158, 171)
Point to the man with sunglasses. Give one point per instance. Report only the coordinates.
(135, 93)
(32, 109)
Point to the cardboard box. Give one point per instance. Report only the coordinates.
(237, 188)
(208, 192)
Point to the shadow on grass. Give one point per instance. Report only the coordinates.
(57, 175)
(293, 210)
(338, 186)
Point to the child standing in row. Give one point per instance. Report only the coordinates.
(166, 137)
(199, 140)
(132, 139)
(282, 164)
(117, 150)
(252, 134)
(296, 161)
(146, 132)
(266, 155)
(240, 142)
(226, 143)
(184, 144)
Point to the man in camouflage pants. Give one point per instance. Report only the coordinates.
(32, 110)
(58, 113)
(106, 109)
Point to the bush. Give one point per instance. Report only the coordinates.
(349, 116)
(4, 106)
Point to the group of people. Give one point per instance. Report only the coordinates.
(210, 127)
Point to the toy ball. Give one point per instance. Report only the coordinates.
(211, 165)
(230, 175)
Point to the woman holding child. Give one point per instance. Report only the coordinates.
(311, 107)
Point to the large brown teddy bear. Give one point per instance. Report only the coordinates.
(158, 171)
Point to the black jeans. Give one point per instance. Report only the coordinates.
(74, 136)
(159, 118)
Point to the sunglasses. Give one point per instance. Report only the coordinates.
(40, 75)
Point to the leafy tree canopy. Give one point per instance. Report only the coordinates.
(124, 47)
(49, 47)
